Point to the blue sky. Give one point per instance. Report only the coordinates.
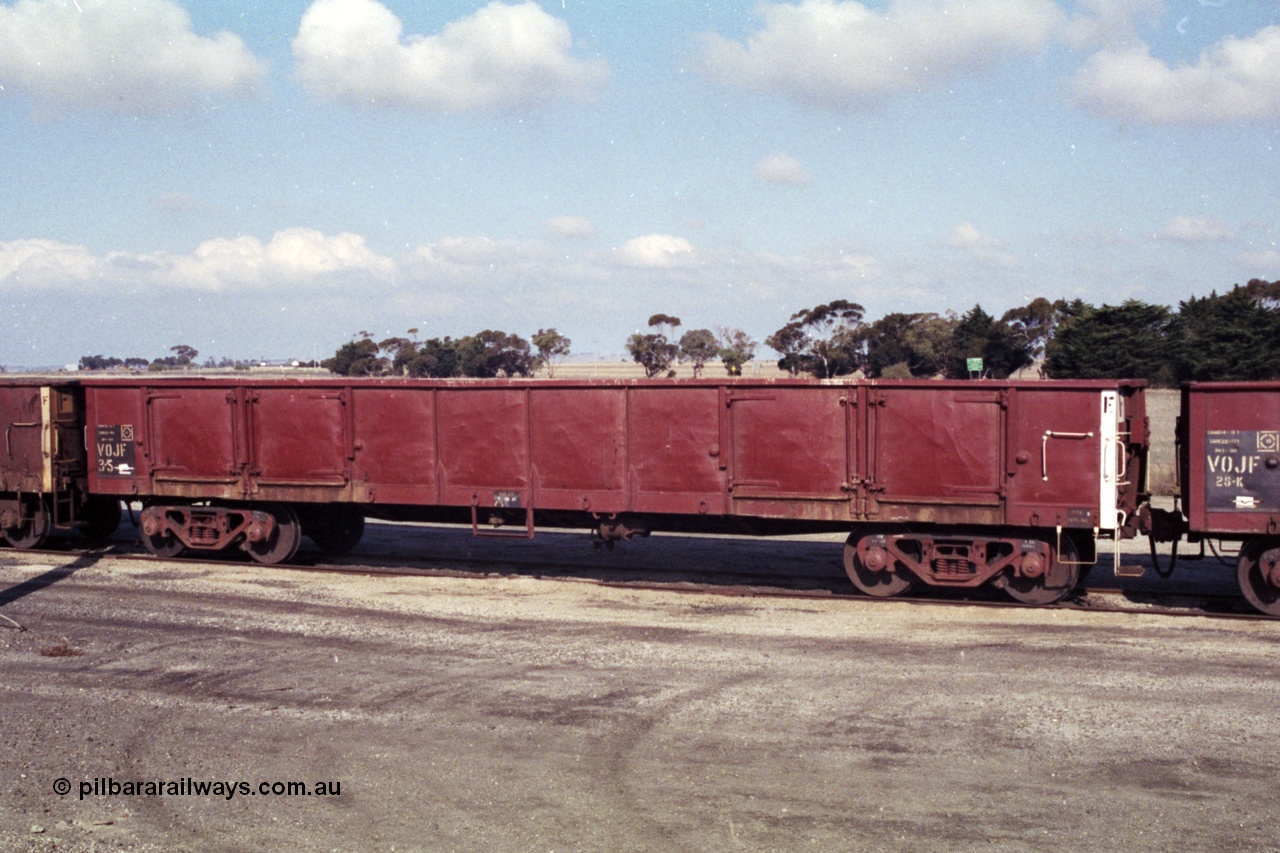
(266, 179)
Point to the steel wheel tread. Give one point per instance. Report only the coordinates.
(1251, 575)
(1035, 590)
(335, 532)
(881, 584)
(101, 516)
(284, 542)
(34, 532)
(162, 546)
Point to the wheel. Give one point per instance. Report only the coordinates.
(335, 531)
(1258, 573)
(161, 545)
(32, 532)
(882, 583)
(153, 531)
(101, 516)
(1055, 584)
(283, 543)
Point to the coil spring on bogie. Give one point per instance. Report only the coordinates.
(203, 533)
(951, 560)
(953, 566)
(204, 528)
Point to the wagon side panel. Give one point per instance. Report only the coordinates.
(789, 451)
(300, 445)
(1065, 457)
(484, 446)
(195, 443)
(675, 437)
(936, 454)
(116, 434)
(578, 448)
(21, 418)
(394, 446)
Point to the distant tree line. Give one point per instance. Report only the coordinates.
(1233, 336)
(183, 357)
(656, 351)
(1229, 336)
(493, 353)
(485, 355)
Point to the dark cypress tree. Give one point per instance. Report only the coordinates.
(1128, 341)
(1235, 336)
(979, 335)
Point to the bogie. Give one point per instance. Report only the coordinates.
(1258, 574)
(269, 533)
(1031, 570)
(28, 523)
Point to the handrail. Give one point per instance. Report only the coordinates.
(8, 448)
(1044, 448)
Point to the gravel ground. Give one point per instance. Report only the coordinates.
(523, 714)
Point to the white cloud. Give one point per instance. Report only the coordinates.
(1185, 229)
(354, 51)
(656, 251)
(292, 258)
(835, 54)
(840, 266)
(41, 263)
(1236, 79)
(500, 270)
(1112, 22)
(966, 236)
(136, 57)
(572, 226)
(781, 169)
(1266, 262)
(332, 284)
(980, 246)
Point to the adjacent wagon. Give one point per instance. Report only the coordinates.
(1229, 472)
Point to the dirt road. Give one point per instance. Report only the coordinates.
(518, 714)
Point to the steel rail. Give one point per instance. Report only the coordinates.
(731, 584)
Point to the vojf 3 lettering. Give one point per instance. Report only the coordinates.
(115, 449)
(1230, 470)
(1232, 464)
(112, 458)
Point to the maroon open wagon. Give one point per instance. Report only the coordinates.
(1229, 471)
(949, 483)
(43, 482)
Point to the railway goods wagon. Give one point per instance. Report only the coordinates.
(1229, 475)
(947, 483)
(43, 475)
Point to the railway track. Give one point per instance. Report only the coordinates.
(755, 584)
